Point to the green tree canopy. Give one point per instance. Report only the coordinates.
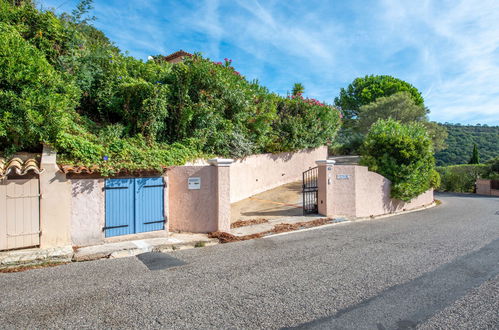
(35, 100)
(363, 91)
(438, 134)
(461, 140)
(400, 107)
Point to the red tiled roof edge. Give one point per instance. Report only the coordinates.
(19, 167)
(70, 169)
(175, 55)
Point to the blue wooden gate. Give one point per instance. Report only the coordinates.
(134, 206)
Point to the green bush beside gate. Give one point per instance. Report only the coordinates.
(403, 153)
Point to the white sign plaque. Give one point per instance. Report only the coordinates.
(342, 176)
(194, 183)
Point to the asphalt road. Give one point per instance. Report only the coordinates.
(437, 268)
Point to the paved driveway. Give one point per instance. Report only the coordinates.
(281, 202)
(428, 269)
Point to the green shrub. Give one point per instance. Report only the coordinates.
(461, 178)
(64, 83)
(402, 153)
(36, 101)
(304, 123)
(493, 170)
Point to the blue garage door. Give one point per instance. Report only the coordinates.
(134, 206)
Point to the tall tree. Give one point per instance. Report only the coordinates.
(475, 157)
(400, 107)
(363, 91)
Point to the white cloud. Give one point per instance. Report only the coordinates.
(458, 43)
(446, 48)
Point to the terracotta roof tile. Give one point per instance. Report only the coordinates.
(19, 167)
(74, 169)
(78, 169)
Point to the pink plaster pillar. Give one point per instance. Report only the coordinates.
(55, 202)
(324, 184)
(221, 168)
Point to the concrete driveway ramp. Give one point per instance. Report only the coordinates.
(283, 201)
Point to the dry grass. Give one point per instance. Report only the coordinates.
(16, 269)
(244, 223)
(224, 237)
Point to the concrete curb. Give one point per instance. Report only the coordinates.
(112, 253)
(425, 207)
(345, 221)
(34, 257)
(29, 257)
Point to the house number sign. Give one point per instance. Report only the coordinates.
(194, 183)
(342, 176)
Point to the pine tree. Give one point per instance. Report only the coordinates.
(475, 157)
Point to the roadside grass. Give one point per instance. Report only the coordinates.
(200, 244)
(17, 268)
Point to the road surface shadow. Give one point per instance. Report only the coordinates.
(406, 305)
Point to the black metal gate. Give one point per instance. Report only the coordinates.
(310, 191)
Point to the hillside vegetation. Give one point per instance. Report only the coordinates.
(461, 140)
(65, 84)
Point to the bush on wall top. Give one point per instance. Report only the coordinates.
(403, 154)
(97, 106)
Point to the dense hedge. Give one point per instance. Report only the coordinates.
(461, 178)
(402, 153)
(65, 84)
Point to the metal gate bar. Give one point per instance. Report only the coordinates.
(310, 191)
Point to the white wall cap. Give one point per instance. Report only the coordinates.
(49, 155)
(220, 162)
(327, 162)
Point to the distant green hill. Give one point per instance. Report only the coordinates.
(460, 144)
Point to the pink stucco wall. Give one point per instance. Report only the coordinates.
(257, 173)
(356, 192)
(483, 188)
(203, 210)
(373, 195)
(87, 211)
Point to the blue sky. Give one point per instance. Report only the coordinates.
(449, 50)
